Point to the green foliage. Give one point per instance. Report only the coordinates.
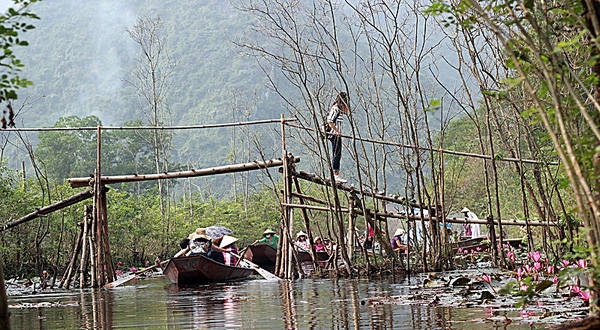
(12, 24)
(73, 153)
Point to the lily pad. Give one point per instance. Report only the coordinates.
(486, 295)
(543, 285)
(460, 281)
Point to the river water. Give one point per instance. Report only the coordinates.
(154, 303)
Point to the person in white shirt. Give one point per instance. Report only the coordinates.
(475, 230)
(335, 118)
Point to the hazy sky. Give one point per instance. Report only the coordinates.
(4, 4)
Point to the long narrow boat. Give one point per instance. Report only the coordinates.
(322, 257)
(199, 269)
(263, 255)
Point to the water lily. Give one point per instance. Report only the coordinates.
(584, 295)
(582, 263)
(519, 274)
(511, 256)
(550, 269)
(565, 263)
(528, 269)
(487, 278)
(536, 256)
(537, 265)
(575, 289)
(132, 269)
(555, 279)
(524, 286)
(119, 272)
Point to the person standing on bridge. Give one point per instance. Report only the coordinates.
(335, 117)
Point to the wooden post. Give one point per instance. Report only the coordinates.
(287, 224)
(351, 225)
(84, 247)
(4, 315)
(97, 223)
(66, 279)
(107, 257)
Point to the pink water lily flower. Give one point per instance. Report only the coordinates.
(550, 269)
(511, 256)
(537, 265)
(536, 256)
(584, 295)
(582, 263)
(487, 278)
(132, 269)
(565, 263)
(519, 274)
(524, 287)
(555, 279)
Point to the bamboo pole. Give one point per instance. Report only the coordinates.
(256, 165)
(66, 279)
(84, 248)
(98, 273)
(49, 209)
(446, 151)
(286, 223)
(108, 261)
(509, 222)
(129, 128)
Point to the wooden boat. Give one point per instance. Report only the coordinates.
(265, 256)
(322, 257)
(199, 269)
(471, 244)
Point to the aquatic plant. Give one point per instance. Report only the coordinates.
(536, 274)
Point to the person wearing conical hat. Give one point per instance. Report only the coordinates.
(474, 230)
(270, 238)
(230, 249)
(399, 240)
(319, 244)
(302, 242)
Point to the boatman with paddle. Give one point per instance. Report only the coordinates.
(270, 238)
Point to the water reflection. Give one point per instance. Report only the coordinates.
(215, 306)
(253, 304)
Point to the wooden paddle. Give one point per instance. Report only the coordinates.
(263, 272)
(130, 277)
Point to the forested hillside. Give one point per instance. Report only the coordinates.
(81, 60)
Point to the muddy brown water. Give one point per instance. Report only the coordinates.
(154, 303)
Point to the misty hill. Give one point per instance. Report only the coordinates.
(80, 57)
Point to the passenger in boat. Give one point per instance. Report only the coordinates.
(200, 243)
(335, 118)
(475, 231)
(270, 238)
(184, 245)
(369, 242)
(319, 244)
(399, 240)
(230, 250)
(302, 242)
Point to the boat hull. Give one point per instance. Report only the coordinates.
(322, 257)
(263, 255)
(199, 269)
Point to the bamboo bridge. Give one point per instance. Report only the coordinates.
(93, 248)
